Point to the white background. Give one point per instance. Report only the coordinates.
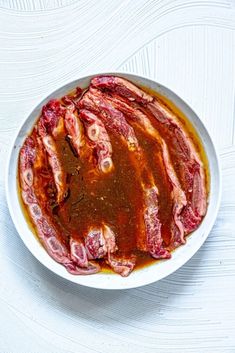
(189, 46)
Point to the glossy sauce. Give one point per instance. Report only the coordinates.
(114, 198)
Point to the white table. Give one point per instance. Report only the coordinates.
(187, 45)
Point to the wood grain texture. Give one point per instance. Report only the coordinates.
(188, 45)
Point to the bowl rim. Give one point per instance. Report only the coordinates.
(73, 278)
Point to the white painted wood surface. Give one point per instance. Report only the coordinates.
(188, 45)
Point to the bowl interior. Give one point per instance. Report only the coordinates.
(142, 276)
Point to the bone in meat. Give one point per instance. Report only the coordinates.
(99, 139)
(48, 234)
(50, 126)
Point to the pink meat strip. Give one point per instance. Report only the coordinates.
(122, 265)
(74, 127)
(78, 253)
(153, 225)
(101, 243)
(48, 234)
(115, 120)
(122, 87)
(191, 172)
(99, 138)
(50, 125)
(143, 122)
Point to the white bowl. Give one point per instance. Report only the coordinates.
(142, 276)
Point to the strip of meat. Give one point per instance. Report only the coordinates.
(153, 241)
(121, 86)
(121, 265)
(56, 166)
(190, 169)
(48, 234)
(153, 225)
(50, 126)
(74, 126)
(114, 118)
(91, 269)
(191, 172)
(99, 138)
(179, 200)
(111, 117)
(110, 239)
(132, 113)
(95, 244)
(78, 253)
(99, 242)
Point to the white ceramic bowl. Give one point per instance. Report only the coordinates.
(139, 277)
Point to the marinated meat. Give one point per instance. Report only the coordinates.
(153, 225)
(99, 138)
(50, 127)
(162, 159)
(74, 128)
(122, 265)
(50, 237)
(112, 117)
(109, 175)
(191, 173)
